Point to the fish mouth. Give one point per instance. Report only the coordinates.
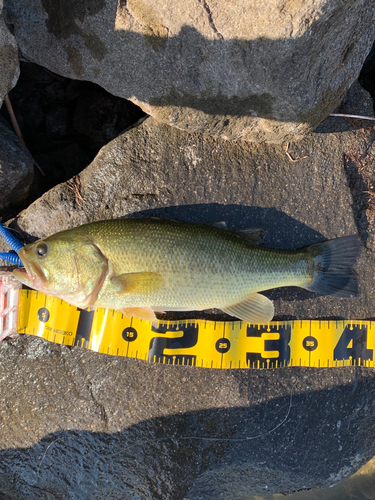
(32, 275)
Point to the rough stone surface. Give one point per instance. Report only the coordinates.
(261, 72)
(9, 67)
(76, 424)
(16, 168)
(80, 425)
(360, 485)
(357, 101)
(158, 170)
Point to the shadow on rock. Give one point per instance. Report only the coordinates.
(300, 440)
(210, 68)
(280, 230)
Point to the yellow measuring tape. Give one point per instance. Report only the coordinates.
(207, 344)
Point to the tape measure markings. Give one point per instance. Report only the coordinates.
(209, 344)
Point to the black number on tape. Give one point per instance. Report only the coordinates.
(281, 346)
(187, 340)
(353, 344)
(222, 345)
(310, 343)
(129, 334)
(43, 314)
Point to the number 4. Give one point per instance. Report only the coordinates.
(353, 344)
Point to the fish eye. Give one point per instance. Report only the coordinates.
(41, 249)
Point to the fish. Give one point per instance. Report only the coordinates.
(142, 266)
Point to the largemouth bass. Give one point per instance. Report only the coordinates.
(142, 266)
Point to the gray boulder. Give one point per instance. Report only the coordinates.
(9, 66)
(79, 425)
(300, 195)
(357, 101)
(16, 168)
(76, 424)
(265, 72)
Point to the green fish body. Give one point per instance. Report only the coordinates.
(142, 266)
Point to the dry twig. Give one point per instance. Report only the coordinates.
(293, 160)
(75, 186)
(359, 117)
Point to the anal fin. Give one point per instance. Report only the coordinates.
(139, 312)
(255, 309)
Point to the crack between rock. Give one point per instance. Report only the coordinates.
(99, 406)
(38, 488)
(69, 374)
(210, 20)
(363, 198)
(124, 5)
(135, 489)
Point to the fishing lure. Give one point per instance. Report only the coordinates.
(14, 242)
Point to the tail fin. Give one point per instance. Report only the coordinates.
(334, 261)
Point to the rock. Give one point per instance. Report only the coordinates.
(75, 424)
(359, 485)
(267, 73)
(160, 171)
(357, 101)
(78, 424)
(16, 168)
(9, 66)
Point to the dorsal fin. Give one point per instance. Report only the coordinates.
(253, 235)
(222, 224)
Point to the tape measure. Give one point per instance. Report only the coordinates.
(206, 344)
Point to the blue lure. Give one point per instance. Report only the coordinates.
(14, 242)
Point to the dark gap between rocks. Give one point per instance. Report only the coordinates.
(64, 123)
(360, 170)
(367, 75)
(359, 165)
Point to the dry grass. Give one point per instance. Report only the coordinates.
(75, 186)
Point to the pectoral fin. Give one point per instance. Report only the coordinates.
(137, 283)
(255, 309)
(139, 312)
